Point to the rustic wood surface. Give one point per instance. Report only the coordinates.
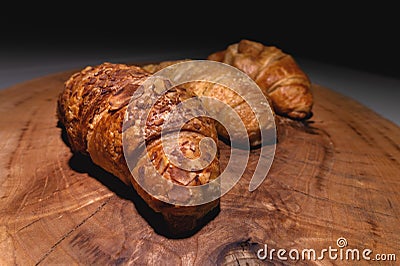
(336, 176)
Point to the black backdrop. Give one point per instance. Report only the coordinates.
(363, 37)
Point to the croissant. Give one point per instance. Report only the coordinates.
(255, 129)
(92, 108)
(276, 73)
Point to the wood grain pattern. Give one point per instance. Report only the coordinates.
(336, 176)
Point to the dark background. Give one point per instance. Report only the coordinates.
(352, 49)
(363, 37)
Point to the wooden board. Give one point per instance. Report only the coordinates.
(336, 177)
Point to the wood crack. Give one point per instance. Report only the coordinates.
(343, 204)
(29, 224)
(55, 245)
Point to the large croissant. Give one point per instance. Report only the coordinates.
(92, 107)
(276, 73)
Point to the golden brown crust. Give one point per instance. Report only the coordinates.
(228, 97)
(92, 107)
(87, 95)
(277, 74)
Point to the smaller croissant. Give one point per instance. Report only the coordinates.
(255, 128)
(276, 73)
